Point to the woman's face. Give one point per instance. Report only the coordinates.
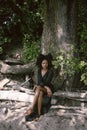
(44, 64)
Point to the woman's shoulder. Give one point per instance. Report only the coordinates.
(50, 71)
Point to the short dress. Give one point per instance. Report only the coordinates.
(46, 79)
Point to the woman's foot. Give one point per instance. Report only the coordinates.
(37, 118)
(29, 111)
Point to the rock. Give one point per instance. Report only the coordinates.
(5, 110)
(4, 82)
(59, 117)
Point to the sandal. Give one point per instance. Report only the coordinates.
(30, 117)
(37, 118)
(29, 112)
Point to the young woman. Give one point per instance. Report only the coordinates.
(43, 86)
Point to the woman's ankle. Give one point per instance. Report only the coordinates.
(39, 114)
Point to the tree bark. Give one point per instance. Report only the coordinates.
(17, 69)
(16, 96)
(77, 95)
(59, 26)
(59, 31)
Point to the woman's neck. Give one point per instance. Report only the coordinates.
(43, 72)
(44, 69)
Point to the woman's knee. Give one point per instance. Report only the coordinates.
(41, 93)
(37, 92)
(38, 88)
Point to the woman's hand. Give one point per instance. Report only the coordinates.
(49, 92)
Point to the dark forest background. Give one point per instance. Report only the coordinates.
(22, 24)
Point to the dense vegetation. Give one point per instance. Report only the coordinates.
(21, 22)
(78, 63)
(82, 39)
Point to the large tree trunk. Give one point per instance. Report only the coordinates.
(59, 32)
(59, 27)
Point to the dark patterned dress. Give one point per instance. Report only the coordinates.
(46, 79)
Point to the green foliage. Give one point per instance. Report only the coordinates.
(67, 63)
(30, 49)
(82, 30)
(10, 24)
(83, 47)
(83, 68)
(1, 50)
(82, 35)
(20, 17)
(34, 19)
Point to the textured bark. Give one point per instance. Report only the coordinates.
(59, 32)
(75, 95)
(59, 27)
(16, 69)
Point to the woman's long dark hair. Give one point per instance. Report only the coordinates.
(42, 57)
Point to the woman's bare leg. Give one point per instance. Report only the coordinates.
(30, 110)
(35, 97)
(37, 93)
(40, 102)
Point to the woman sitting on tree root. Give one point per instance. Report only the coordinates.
(44, 86)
